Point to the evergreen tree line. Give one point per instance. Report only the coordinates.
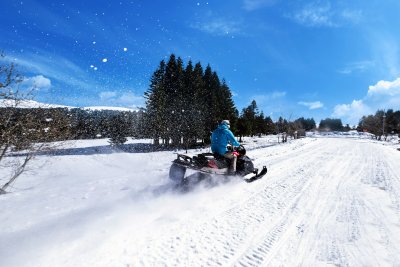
(381, 123)
(59, 124)
(185, 103)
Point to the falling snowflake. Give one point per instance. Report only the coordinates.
(125, 49)
(105, 60)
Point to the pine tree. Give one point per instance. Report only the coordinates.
(242, 128)
(259, 124)
(269, 124)
(209, 103)
(189, 111)
(156, 105)
(226, 104)
(199, 109)
(249, 114)
(217, 102)
(119, 127)
(174, 80)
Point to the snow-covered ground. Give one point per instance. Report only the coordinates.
(326, 200)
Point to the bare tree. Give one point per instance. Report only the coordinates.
(294, 129)
(21, 134)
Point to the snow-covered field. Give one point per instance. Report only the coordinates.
(326, 200)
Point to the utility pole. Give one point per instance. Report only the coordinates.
(383, 124)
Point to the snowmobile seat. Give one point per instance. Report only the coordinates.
(218, 156)
(200, 159)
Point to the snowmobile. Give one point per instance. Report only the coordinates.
(207, 164)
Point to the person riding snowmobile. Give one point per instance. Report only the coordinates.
(220, 138)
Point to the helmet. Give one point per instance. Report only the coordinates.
(241, 150)
(226, 122)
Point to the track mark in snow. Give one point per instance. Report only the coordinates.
(234, 228)
(290, 223)
(313, 207)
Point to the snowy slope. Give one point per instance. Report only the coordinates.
(4, 103)
(324, 201)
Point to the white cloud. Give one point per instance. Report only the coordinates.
(41, 82)
(354, 16)
(358, 66)
(107, 95)
(125, 99)
(382, 95)
(315, 15)
(261, 99)
(312, 105)
(323, 14)
(38, 82)
(218, 27)
(344, 109)
(351, 113)
(389, 88)
(276, 95)
(56, 68)
(251, 5)
(131, 99)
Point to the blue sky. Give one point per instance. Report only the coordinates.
(337, 59)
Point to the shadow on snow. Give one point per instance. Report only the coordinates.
(100, 150)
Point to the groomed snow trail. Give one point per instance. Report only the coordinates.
(324, 201)
(332, 201)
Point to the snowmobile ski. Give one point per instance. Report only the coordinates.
(257, 176)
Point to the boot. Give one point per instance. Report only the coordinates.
(231, 172)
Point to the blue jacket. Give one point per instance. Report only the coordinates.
(220, 138)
